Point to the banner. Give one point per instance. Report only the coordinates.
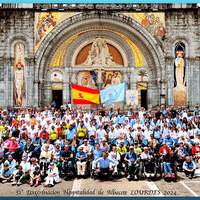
(132, 97)
(113, 94)
(84, 95)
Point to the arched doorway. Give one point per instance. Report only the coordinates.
(57, 88)
(132, 37)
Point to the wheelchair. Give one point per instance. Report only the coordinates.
(148, 169)
(132, 175)
(44, 165)
(103, 174)
(68, 169)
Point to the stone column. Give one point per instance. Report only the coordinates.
(133, 78)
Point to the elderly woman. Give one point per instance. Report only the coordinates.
(53, 175)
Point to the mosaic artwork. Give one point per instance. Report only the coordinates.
(179, 76)
(131, 97)
(87, 79)
(153, 22)
(45, 22)
(142, 76)
(19, 75)
(57, 79)
(111, 78)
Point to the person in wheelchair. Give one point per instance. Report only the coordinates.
(170, 167)
(81, 158)
(67, 162)
(181, 153)
(148, 163)
(45, 158)
(133, 165)
(104, 169)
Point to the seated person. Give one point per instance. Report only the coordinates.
(66, 158)
(137, 149)
(196, 151)
(26, 177)
(1, 164)
(133, 166)
(26, 166)
(181, 153)
(28, 148)
(169, 164)
(104, 147)
(18, 176)
(97, 153)
(53, 175)
(147, 159)
(56, 156)
(122, 151)
(6, 174)
(87, 148)
(35, 177)
(45, 158)
(189, 167)
(11, 163)
(168, 140)
(81, 158)
(12, 147)
(114, 155)
(104, 163)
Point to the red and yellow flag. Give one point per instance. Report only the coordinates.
(84, 95)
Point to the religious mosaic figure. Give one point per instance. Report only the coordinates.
(87, 79)
(44, 24)
(179, 76)
(111, 79)
(19, 80)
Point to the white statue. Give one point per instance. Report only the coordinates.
(99, 55)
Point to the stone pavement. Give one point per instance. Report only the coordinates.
(120, 187)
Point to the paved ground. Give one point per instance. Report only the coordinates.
(120, 187)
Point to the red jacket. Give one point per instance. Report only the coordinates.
(167, 150)
(195, 150)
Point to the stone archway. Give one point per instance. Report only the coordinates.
(115, 22)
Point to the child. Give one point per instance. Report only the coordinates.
(26, 177)
(6, 174)
(35, 177)
(18, 176)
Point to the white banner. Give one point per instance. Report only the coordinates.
(132, 97)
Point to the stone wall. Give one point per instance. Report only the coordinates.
(182, 24)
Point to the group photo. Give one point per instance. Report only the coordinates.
(99, 99)
(54, 145)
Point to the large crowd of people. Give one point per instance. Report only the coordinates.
(61, 143)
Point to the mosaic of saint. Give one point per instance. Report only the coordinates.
(179, 75)
(19, 74)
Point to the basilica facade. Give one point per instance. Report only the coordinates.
(154, 48)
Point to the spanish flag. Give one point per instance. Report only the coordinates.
(84, 95)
